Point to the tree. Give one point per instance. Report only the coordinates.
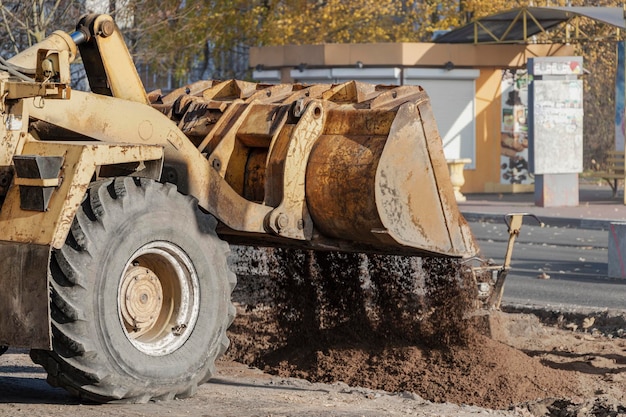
(25, 23)
(179, 41)
(187, 39)
(182, 36)
(336, 21)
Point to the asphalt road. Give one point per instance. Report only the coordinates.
(575, 260)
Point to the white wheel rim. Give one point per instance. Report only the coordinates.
(158, 298)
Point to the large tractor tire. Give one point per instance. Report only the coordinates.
(140, 296)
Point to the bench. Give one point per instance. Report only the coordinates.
(614, 170)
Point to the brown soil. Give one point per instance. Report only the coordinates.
(484, 372)
(400, 324)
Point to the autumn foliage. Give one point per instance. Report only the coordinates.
(183, 40)
(220, 31)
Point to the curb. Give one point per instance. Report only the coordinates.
(572, 223)
(609, 322)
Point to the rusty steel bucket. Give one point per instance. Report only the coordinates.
(375, 180)
(381, 178)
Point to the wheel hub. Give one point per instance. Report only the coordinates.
(158, 298)
(141, 299)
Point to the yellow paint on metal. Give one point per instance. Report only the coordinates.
(122, 75)
(13, 131)
(26, 60)
(80, 162)
(291, 218)
(106, 119)
(352, 165)
(37, 182)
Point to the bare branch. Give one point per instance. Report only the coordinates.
(51, 14)
(9, 31)
(17, 20)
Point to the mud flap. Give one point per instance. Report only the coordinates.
(24, 295)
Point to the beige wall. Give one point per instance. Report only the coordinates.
(403, 55)
(488, 109)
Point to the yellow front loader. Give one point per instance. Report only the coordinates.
(117, 205)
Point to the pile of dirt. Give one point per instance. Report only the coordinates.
(382, 322)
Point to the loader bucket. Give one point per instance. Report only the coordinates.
(381, 177)
(375, 180)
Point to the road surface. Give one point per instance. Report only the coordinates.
(575, 260)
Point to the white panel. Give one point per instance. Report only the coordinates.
(341, 75)
(441, 74)
(267, 76)
(370, 75)
(311, 75)
(556, 125)
(453, 105)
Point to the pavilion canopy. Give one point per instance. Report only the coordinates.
(519, 25)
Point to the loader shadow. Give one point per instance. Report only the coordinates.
(20, 369)
(27, 390)
(23, 382)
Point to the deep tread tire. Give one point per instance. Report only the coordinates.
(93, 356)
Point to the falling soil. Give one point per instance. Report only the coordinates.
(382, 322)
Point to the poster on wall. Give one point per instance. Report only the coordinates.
(619, 99)
(558, 126)
(514, 128)
(556, 115)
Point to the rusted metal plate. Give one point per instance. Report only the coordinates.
(380, 177)
(413, 190)
(340, 186)
(24, 300)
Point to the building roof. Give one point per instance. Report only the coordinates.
(520, 24)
